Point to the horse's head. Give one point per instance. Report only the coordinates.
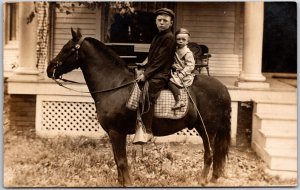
(67, 59)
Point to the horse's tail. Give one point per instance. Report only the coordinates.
(222, 142)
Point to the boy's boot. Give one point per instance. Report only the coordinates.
(179, 103)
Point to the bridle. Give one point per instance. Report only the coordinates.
(76, 49)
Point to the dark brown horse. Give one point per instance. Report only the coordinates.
(110, 83)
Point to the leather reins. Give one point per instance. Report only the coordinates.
(93, 92)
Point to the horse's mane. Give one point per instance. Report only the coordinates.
(115, 58)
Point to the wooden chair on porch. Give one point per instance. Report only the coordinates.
(201, 56)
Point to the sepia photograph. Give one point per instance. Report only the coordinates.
(149, 94)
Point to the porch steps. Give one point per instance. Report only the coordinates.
(279, 159)
(271, 139)
(274, 135)
(278, 108)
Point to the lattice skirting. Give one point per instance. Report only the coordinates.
(76, 116)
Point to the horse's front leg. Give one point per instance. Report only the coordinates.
(118, 142)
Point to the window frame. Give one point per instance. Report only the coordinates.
(10, 45)
(11, 25)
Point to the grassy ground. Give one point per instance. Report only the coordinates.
(30, 161)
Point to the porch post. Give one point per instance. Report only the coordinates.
(27, 43)
(251, 75)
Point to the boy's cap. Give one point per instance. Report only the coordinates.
(165, 11)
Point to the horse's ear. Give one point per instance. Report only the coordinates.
(74, 35)
(78, 33)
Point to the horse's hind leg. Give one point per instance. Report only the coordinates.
(118, 142)
(221, 146)
(208, 156)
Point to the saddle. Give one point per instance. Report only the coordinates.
(164, 103)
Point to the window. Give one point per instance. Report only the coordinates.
(10, 37)
(10, 22)
(132, 25)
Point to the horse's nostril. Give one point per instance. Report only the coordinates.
(56, 75)
(50, 69)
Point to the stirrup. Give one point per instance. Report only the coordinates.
(142, 138)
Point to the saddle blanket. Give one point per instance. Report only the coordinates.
(164, 103)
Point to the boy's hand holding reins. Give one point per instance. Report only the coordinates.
(141, 78)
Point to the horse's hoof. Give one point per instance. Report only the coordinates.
(213, 180)
(128, 185)
(203, 182)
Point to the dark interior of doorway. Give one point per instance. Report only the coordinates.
(244, 124)
(280, 37)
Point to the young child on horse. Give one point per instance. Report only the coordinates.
(182, 67)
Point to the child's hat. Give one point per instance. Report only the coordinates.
(182, 31)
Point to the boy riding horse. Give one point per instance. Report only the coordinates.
(158, 64)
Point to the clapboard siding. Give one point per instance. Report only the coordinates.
(90, 15)
(81, 17)
(207, 18)
(65, 32)
(217, 21)
(208, 23)
(221, 65)
(76, 9)
(220, 35)
(81, 25)
(210, 29)
(217, 46)
(209, 6)
(209, 12)
(208, 41)
(77, 21)
(216, 25)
